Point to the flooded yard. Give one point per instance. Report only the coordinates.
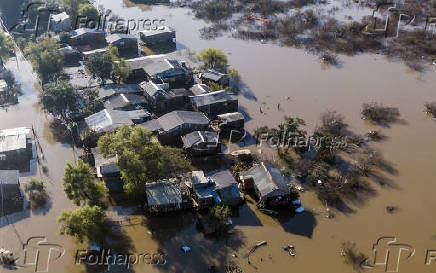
(304, 88)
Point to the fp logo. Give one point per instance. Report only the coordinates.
(38, 252)
(388, 253)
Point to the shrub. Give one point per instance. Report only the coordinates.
(36, 192)
(378, 113)
(430, 108)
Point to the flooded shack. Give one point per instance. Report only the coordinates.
(268, 184)
(16, 148)
(201, 143)
(11, 196)
(161, 35)
(162, 197)
(215, 103)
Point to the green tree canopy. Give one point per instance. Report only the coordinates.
(141, 158)
(59, 98)
(72, 6)
(45, 57)
(80, 185)
(89, 11)
(213, 59)
(113, 52)
(6, 47)
(121, 71)
(84, 223)
(100, 66)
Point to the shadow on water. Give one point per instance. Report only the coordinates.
(300, 224)
(245, 216)
(244, 112)
(246, 91)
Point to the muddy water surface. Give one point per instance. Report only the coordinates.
(271, 74)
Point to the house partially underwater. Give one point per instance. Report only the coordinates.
(16, 148)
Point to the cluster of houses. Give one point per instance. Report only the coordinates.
(163, 95)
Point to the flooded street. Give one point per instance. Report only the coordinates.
(269, 74)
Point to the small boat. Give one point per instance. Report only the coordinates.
(269, 212)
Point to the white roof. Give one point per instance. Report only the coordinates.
(3, 85)
(14, 139)
(162, 29)
(60, 17)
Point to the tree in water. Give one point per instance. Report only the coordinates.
(59, 99)
(45, 58)
(213, 59)
(81, 186)
(141, 158)
(87, 222)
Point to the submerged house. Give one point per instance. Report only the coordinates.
(268, 183)
(163, 197)
(163, 34)
(124, 42)
(94, 38)
(162, 99)
(213, 76)
(201, 143)
(227, 188)
(230, 121)
(173, 72)
(107, 121)
(204, 190)
(215, 103)
(11, 196)
(108, 171)
(16, 148)
(170, 127)
(126, 102)
(60, 22)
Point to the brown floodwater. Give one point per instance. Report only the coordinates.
(270, 74)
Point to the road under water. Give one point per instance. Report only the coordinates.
(270, 74)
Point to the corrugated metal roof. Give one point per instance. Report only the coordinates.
(14, 139)
(198, 137)
(119, 36)
(223, 179)
(176, 118)
(163, 193)
(163, 29)
(213, 97)
(268, 180)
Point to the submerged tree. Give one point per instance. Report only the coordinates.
(213, 59)
(37, 193)
(59, 99)
(141, 158)
(81, 186)
(6, 47)
(45, 57)
(88, 11)
(87, 222)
